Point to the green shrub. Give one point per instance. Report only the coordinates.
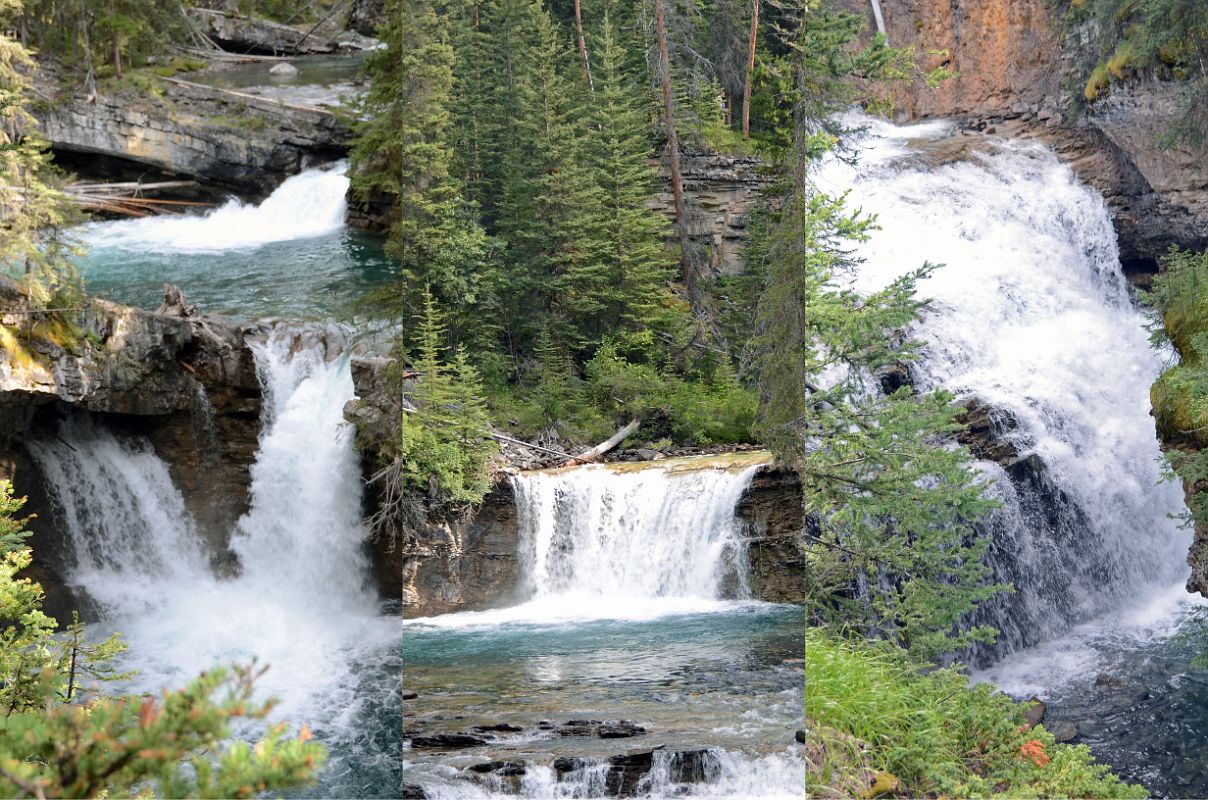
(872, 713)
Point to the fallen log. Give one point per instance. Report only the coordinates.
(604, 447)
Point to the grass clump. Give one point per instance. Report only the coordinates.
(879, 725)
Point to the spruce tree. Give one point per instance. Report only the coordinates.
(32, 248)
(626, 288)
(402, 151)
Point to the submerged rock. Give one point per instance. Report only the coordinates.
(284, 70)
(413, 792)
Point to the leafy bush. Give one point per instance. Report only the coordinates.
(873, 714)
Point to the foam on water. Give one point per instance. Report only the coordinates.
(1031, 316)
(304, 206)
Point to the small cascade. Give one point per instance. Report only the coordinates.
(304, 206)
(1030, 317)
(653, 533)
(127, 527)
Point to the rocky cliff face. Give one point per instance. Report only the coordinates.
(233, 140)
(1013, 77)
(719, 192)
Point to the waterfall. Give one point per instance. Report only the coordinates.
(1031, 317)
(304, 206)
(300, 603)
(619, 542)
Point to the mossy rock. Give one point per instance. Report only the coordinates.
(1097, 84)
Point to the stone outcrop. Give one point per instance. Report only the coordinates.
(230, 139)
(773, 509)
(155, 374)
(1012, 79)
(242, 34)
(719, 191)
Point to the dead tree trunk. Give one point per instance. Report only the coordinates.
(604, 447)
(746, 91)
(583, 47)
(677, 183)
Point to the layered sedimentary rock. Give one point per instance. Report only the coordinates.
(229, 139)
(244, 34)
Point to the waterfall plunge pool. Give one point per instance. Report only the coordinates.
(637, 610)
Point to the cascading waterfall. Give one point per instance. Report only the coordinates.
(644, 534)
(1030, 316)
(300, 603)
(306, 205)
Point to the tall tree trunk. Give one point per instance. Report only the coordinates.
(677, 188)
(746, 91)
(583, 47)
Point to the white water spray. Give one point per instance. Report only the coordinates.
(299, 604)
(306, 205)
(1031, 316)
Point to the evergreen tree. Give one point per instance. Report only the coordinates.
(624, 289)
(32, 248)
(894, 500)
(446, 445)
(402, 152)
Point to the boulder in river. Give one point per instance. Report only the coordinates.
(284, 70)
(1062, 730)
(447, 740)
(1034, 711)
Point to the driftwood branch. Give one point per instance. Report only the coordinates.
(501, 438)
(604, 447)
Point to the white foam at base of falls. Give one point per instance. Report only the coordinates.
(300, 604)
(309, 204)
(1031, 315)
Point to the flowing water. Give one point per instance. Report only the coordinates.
(1030, 315)
(320, 81)
(300, 604)
(634, 608)
(291, 255)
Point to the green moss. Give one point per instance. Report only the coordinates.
(1097, 84)
(1122, 60)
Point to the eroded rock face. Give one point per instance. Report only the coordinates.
(233, 140)
(242, 34)
(1012, 79)
(773, 509)
(719, 192)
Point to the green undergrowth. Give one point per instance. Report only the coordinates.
(880, 726)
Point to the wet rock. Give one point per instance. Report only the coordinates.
(646, 454)
(799, 737)
(284, 70)
(447, 741)
(1034, 711)
(987, 432)
(693, 766)
(619, 730)
(565, 764)
(501, 727)
(410, 695)
(1062, 730)
(413, 792)
(546, 726)
(505, 768)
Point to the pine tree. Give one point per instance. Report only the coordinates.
(626, 289)
(33, 250)
(402, 151)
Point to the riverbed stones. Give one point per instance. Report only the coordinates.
(413, 792)
(284, 70)
(447, 741)
(1062, 730)
(1034, 711)
(505, 768)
